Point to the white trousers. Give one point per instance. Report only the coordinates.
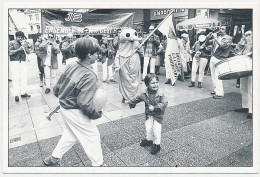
(146, 63)
(19, 77)
(153, 130)
(201, 63)
(246, 91)
(110, 71)
(95, 67)
(50, 76)
(217, 84)
(79, 127)
(104, 68)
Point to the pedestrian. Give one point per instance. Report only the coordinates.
(155, 105)
(104, 56)
(185, 54)
(221, 48)
(77, 107)
(246, 82)
(67, 48)
(200, 60)
(111, 58)
(39, 58)
(160, 57)
(49, 49)
(17, 49)
(116, 40)
(150, 52)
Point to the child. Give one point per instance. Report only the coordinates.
(75, 89)
(155, 104)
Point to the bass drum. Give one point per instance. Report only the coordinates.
(235, 67)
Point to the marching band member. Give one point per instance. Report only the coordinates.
(50, 49)
(246, 82)
(221, 49)
(17, 49)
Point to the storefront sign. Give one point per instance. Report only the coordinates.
(63, 22)
(156, 14)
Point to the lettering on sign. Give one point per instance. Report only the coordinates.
(167, 11)
(74, 17)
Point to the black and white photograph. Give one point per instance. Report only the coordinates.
(146, 90)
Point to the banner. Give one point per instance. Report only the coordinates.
(63, 22)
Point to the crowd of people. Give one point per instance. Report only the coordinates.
(122, 53)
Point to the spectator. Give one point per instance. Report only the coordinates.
(50, 49)
(17, 49)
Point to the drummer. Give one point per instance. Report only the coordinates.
(246, 82)
(221, 48)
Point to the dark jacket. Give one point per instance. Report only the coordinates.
(159, 103)
(155, 44)
(223, 50)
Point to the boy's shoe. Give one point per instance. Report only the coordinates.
(25, 95)
(218, 97)
(16, 98)
(52, 161)
(242, 110)
(155, 149)
(249, 116)
(145, 143)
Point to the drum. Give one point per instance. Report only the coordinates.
(235, 67)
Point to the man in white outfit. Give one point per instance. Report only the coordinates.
(17, 49)
(246, 82)
(221, 49)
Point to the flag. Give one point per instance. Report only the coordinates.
(172, 53)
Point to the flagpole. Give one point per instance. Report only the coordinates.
(142, 43)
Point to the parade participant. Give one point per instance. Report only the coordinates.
(49, 49)
(130, 72)
(221, 47)
(116, 40)
(67, 48)
(86, 32)
(172, 58)
(39, 58)
(200, 59)
(17, 49)
(111, 58)
(155, 105)
(75, 89)
(246, 82)
(150, 52)
(160, 57)
(185, 54)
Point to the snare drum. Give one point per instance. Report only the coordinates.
(235, 67)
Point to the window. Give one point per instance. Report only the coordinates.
(38, 26)
(30, 16)
(37, 17)
(31, 28)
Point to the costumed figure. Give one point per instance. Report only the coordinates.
(130, 72)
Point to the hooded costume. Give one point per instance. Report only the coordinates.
(130, 72)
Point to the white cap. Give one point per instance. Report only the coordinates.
(202, 38)
(151, 27)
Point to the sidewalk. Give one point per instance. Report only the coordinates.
(197, 130)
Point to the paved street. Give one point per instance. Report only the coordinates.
(197, 131)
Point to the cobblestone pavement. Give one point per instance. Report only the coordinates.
(198, 131)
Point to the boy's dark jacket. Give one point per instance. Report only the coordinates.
(159, 103)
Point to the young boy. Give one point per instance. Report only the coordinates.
(155, 105)
(75, 89)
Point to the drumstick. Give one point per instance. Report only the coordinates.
(52, 112)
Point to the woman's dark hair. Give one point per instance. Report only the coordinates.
(19, 33)
(85, 46)
(149, 77)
